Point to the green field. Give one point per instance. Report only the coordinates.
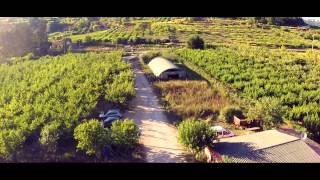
(217, 31)
(61, 90)
(292, 78)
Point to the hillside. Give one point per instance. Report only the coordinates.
(216, 31)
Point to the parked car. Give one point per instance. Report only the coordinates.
(111, 113)
(222, 132)
(108, 122)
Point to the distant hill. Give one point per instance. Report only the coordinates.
(312, 22)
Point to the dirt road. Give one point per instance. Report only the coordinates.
(158, 136)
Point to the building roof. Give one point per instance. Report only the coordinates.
(267, 146)
(159, 65)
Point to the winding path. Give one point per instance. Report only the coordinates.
(158, 137)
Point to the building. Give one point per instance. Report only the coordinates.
(270, 146)
(164, 69)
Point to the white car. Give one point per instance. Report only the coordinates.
(222, 132)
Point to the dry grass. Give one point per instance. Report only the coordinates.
(191, 98)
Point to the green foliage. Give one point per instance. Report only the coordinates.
(195, 42)
(147, 57)
(125, 135)
(228, 112)
(268, 111)
(226, 159)
(11, 142)
(121, 88)
(258, 72)
(55, 25)
(91, 137)
(36, 94)
(312, 123)
(195, 135)
(281, 21)
(50, 134)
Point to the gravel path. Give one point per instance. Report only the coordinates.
(158, 136)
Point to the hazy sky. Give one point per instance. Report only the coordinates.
(318, 18)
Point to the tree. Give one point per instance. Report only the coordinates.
(143, 26)
(55, 26)
(39, 28)
(10, 142)
(50, 134)
(312, 123)
(91, 137)
(124, 134)
(195, 135)
(88, 40)
(195, 42)
(228, 112)
(267, 110)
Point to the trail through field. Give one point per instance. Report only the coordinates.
(158, 137)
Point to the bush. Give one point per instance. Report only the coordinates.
(195, 135)
(195, 42)
(267, 110)
(312, 123)
(50, 135)
(10, 142)
(146, 58)
(91, 137)
(228, 112)
(124, 134)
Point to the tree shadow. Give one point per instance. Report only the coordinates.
(191, 75)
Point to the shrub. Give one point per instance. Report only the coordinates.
(312, 123)
(267, 110)
(228, 112)
(124, 134)
(88, 40)
(10, 142)
(195, 42)
(195, 135)
(91, 137)
(146, 58)
(50, 135)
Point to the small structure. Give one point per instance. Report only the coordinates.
(164, 69)
(270, 146)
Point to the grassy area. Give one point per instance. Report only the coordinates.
(191, 98)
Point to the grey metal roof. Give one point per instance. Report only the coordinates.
(158, 65)
(259, 147)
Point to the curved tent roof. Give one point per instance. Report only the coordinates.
(158, 65)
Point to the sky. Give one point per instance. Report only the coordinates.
(317, 18)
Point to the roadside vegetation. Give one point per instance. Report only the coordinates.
(195, 135)
(95, 140)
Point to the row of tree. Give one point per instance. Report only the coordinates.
(290, 78)
(279, 21)
(41, 102)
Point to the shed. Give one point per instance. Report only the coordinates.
(267, 146)
(164, 69)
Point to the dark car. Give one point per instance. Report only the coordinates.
(111, 113)
(108, 122)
